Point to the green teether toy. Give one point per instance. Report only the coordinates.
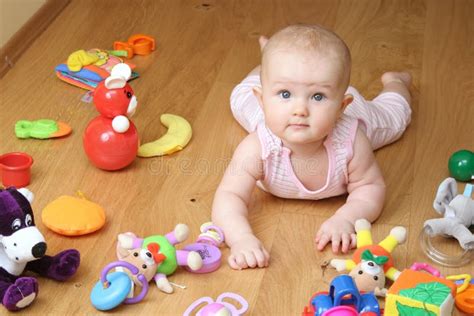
(41, 129)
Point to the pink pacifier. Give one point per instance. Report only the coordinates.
(219, 307)
(207, 246)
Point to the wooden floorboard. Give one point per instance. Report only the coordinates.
(204, 48)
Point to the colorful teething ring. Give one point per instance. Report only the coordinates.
(112, 289)
(465, 300)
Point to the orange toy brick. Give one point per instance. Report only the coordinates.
(420, 293)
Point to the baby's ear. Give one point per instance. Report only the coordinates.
(348, 98)
(257, 92)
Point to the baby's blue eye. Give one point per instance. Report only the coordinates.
(318, 97)
(285, 94)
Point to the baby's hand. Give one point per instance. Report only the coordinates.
(336, 230)
(248, 252)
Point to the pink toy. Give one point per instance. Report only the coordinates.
(341, 311)
(111, 139)
(219, 307)
(207, 245)
(421, 266)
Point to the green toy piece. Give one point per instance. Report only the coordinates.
(435, 293)
(367, 255)
(171, 263)
(118, 53)
(461, 165)
(41, 129)
(404, 310)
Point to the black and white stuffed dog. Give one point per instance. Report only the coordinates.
(23, 247)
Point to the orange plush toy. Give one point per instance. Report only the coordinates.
(73, 216)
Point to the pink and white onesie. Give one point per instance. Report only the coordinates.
(383, 119)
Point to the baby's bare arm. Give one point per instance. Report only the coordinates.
(366, 190)
(230, 206)
(229, 210)
(366, 186)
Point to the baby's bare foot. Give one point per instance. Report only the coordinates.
(400, 77)
(398, 82)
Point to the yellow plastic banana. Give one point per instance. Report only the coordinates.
(176, 138)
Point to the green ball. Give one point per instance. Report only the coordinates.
(461, 165)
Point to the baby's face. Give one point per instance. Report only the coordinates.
(302, 96)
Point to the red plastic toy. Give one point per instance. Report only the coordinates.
(111, 139)
(15, 169)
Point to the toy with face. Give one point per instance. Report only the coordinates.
(114, 97)
(369, 274)
(23, 247)
(146, 260)
(372, 264)
(458, 214)
(169, 257)
(111, 139)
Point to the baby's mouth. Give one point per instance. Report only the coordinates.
(298, 125)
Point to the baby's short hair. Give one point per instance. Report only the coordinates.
(312, 38)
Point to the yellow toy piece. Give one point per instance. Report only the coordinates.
(73, 216)
(178, 136)
(81, 58)
(464, 285)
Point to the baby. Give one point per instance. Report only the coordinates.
(311, 137)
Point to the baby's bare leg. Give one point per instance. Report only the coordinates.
(398, 82)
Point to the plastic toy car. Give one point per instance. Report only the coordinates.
(343, 299)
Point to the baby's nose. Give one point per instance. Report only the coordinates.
(300, 108)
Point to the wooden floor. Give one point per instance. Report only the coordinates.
(204, 49)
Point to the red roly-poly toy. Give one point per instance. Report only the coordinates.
(111, 139)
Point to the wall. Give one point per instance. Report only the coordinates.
(15, 13)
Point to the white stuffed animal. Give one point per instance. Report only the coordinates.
(458, 212)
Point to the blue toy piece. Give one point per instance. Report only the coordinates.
(106, 298)
(343, 292)
(460, 282)
(112, 289)
(83, 73)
